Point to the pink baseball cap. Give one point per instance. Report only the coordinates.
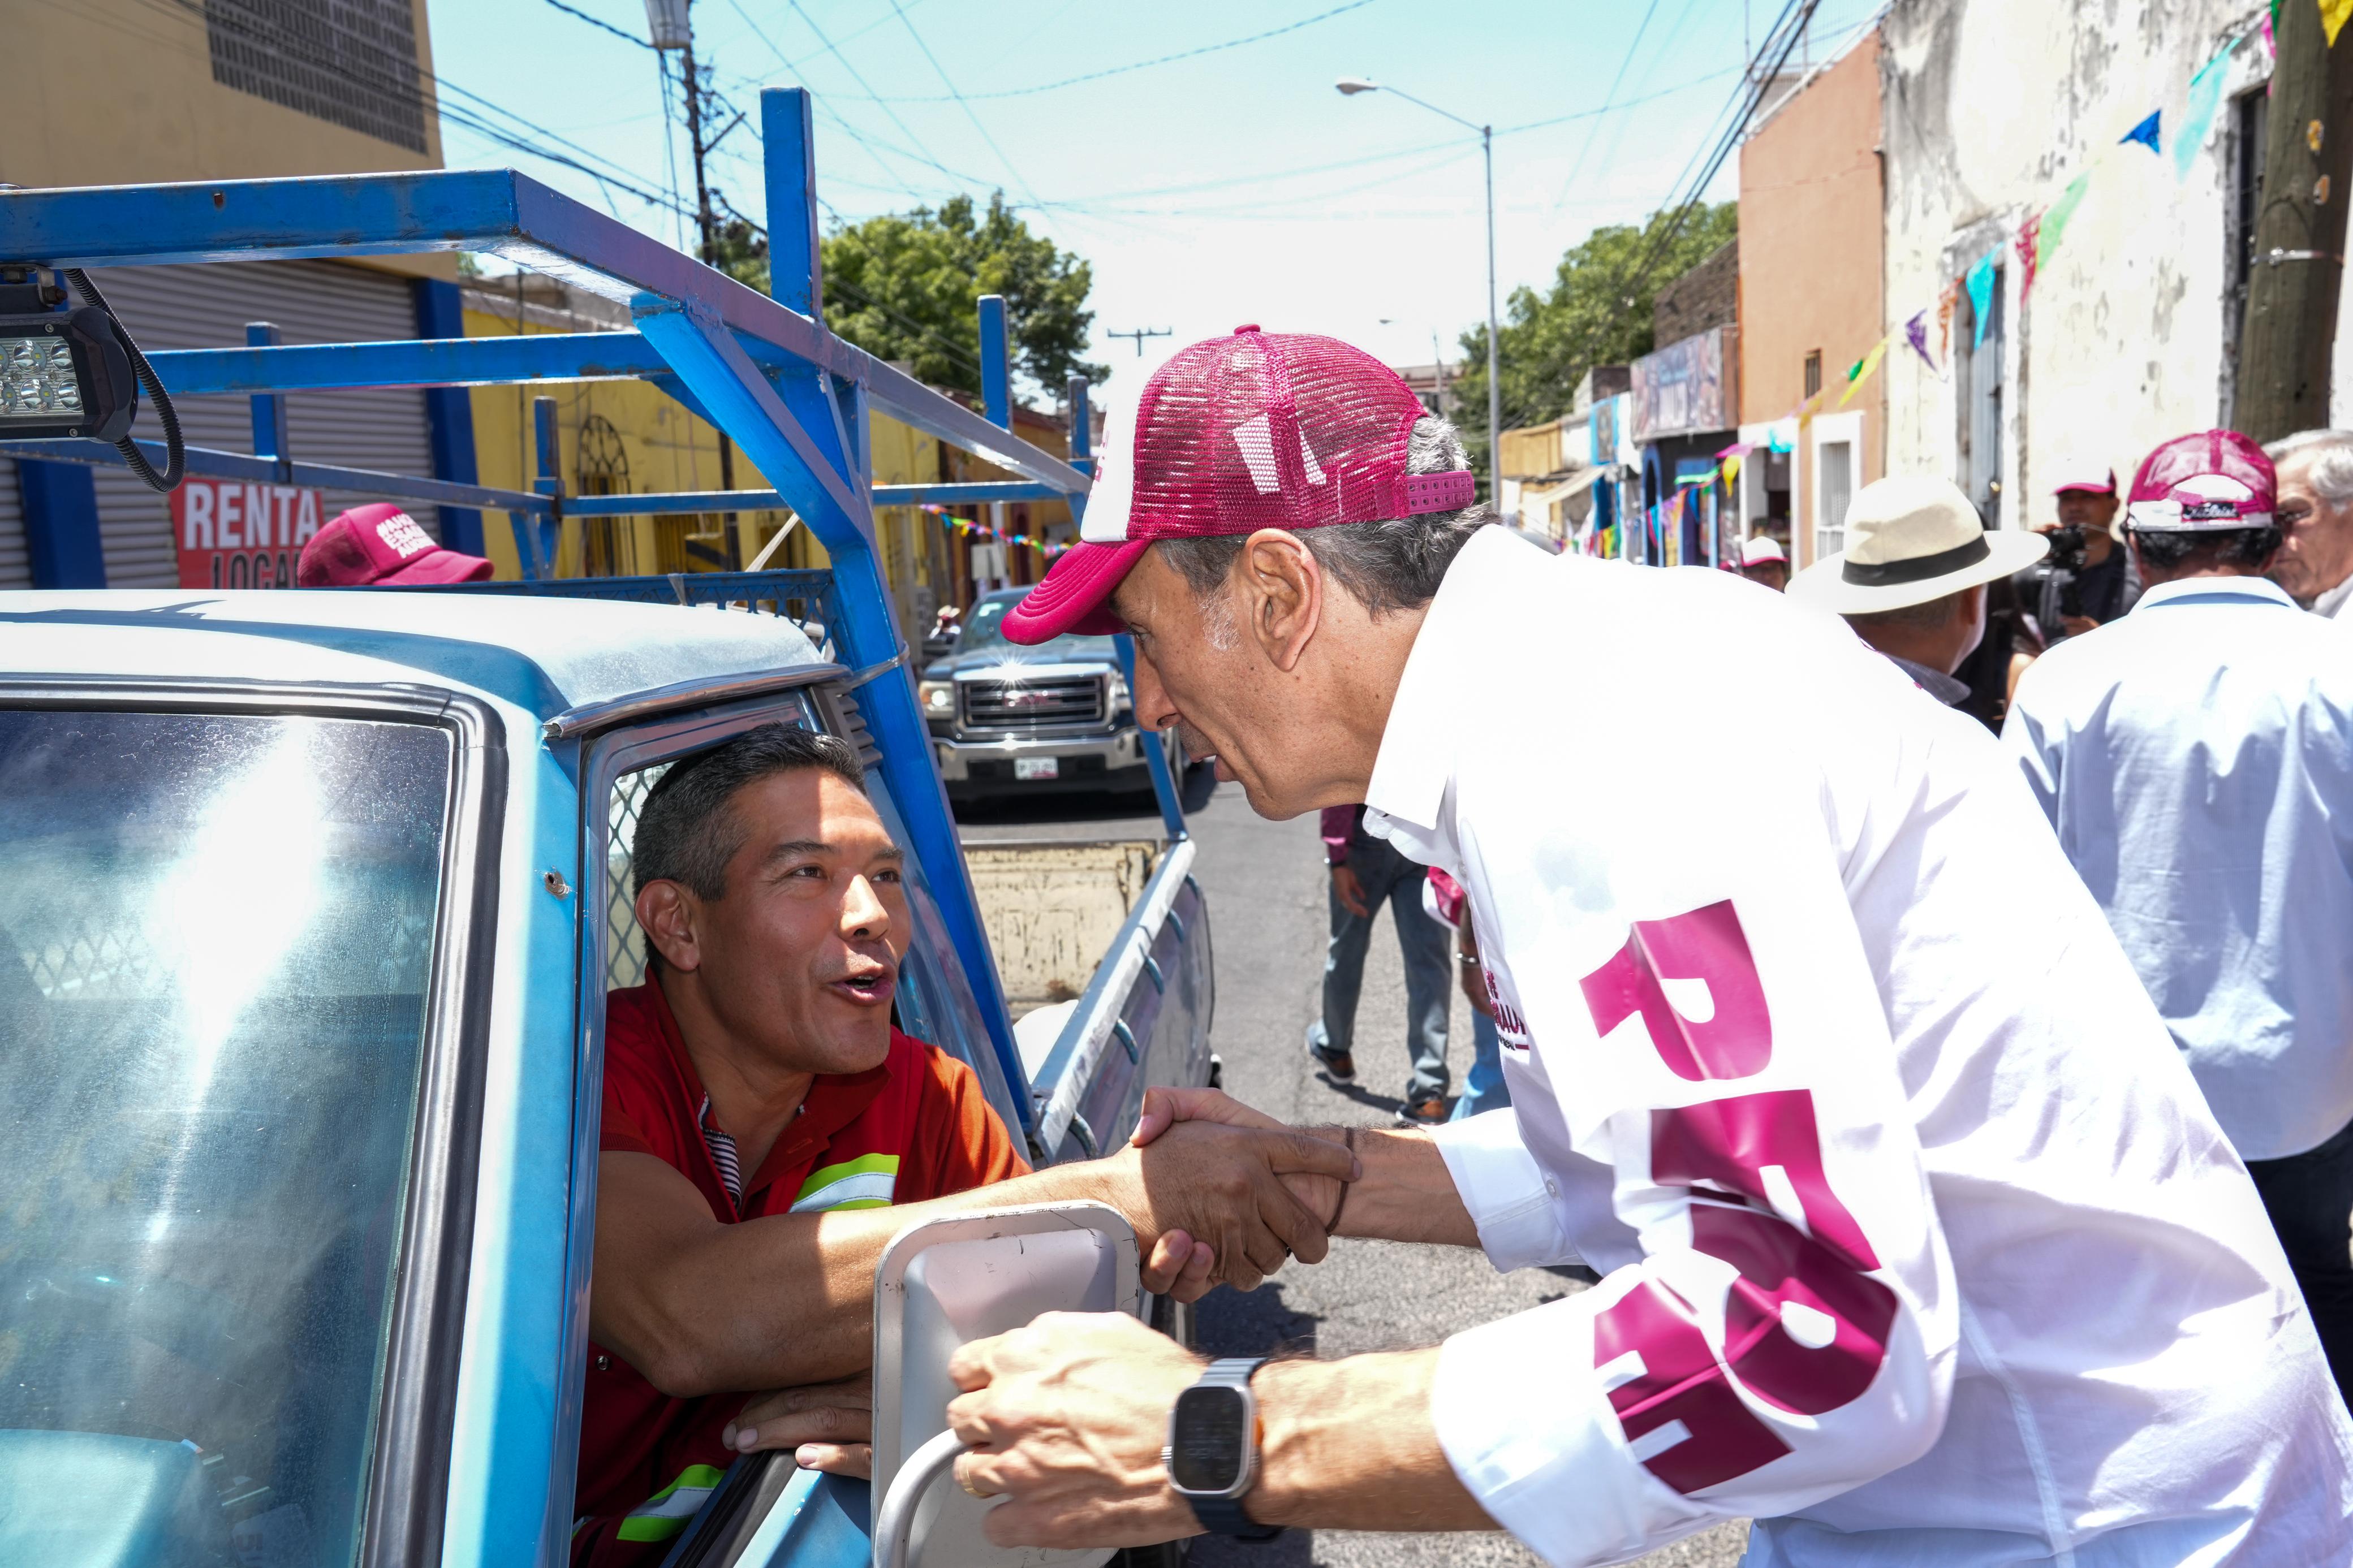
(381, 543)
(1232, 435)
(2209, 480)
(2083, 473)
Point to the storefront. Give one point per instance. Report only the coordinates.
(1683, 406)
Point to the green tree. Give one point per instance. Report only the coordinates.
(1598, 312)
(902, 287)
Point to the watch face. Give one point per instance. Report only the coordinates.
(1205, 1448)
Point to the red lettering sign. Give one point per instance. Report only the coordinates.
(232, 534)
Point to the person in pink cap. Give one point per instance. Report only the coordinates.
(2193, 759)
(380, 544)
(1915, 1247)
(2088, 503)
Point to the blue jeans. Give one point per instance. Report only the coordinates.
(2309, 1198)
(1483, 1088)
(1389, 877)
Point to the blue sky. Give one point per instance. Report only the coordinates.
(1236, 186)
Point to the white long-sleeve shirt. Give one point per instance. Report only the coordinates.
(1920, 1246)
(2196, 758)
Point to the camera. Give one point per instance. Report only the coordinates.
(2051, 589)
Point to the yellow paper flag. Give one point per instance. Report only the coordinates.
(2333, 16)
(1870, 361)
(1731, 472)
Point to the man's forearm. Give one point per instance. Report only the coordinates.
(1405, 1193)
(1350, 1445)
(787, 1298)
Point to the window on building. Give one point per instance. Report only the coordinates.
(1977, 361)
(1831, 497)
(351, 63)
(1814, 373)
(2249, 124)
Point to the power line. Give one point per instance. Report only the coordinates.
(1608, 100)
(941, 72)
(601, 22)
(1161, 59)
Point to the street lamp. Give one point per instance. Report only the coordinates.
(1349, 87)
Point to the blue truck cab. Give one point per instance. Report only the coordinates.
(315, 899)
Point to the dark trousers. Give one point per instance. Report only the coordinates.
(2310, 1199)
(1389, 877)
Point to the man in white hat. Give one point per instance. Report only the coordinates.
(1918, 1243)
(1762, 561)
(1912, 580)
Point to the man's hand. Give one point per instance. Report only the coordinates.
(1222, 1187)
(2078, 624)
(828, 1426)
(1066, 1418)
(1349, 889)
(1163, 1107)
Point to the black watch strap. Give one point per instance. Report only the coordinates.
(1224, 1516)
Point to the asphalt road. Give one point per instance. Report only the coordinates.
(1265, 883)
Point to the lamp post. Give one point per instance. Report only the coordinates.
(1349, 87)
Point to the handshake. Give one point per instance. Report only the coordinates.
(1222, 1194)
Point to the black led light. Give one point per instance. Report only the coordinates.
(76, 372)
(65, 374)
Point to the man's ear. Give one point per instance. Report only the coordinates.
(667, 913)
(1282, 589)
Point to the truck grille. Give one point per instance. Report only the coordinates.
(1057, 702)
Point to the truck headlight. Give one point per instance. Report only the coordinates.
(1118, 690)
(938, 698)
(64, 375)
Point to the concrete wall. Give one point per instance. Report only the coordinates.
(1811, 263)
(1991, 107)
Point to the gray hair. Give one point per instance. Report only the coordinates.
(2332, 460)
(1387, 566)
(687, 830)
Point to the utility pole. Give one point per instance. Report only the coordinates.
(705, 224)
(1140, 334)
(2299, 234)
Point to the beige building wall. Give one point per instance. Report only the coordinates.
(111, 92)
(1810, 260)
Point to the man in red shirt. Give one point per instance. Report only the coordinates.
(759, 1109)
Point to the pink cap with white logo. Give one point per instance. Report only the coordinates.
(381, 543)
(1232, 435)
(2214, 479)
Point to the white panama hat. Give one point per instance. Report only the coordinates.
(1910, 541)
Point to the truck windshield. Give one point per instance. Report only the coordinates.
(987, 630)
(214, 956)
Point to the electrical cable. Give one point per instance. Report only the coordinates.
(601, 22)
(174, 454)
(1157, 59)
(943, 73)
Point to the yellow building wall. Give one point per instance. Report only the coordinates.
(109, 92)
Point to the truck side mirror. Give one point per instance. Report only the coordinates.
(969, 1277)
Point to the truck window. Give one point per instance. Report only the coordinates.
(625, 940)
(213, 962)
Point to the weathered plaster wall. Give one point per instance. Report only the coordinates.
(1990, 107)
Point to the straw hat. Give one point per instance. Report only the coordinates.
(1910, 541)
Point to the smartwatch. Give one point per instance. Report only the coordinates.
(1212, 1453)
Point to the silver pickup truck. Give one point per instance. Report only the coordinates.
(1009, 719)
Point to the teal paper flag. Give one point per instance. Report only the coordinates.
(2198, 118)
(2146, 132)
(1979, 283)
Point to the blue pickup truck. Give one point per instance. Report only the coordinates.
(315, 899)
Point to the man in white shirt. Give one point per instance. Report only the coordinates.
(2315, 562)
(2196, 760)
(1920, 1245)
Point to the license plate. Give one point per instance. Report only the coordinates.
(1037, 767)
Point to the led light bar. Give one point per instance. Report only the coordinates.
(64, 375)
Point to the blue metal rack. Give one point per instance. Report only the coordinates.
(762, 368)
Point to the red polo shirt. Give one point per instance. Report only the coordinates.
(917, 1127)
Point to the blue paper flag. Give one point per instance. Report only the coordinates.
(2146, 132)
(1979, 283)
(2197, 117)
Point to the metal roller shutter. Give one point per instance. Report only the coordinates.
(16, 571)
(208, 306)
